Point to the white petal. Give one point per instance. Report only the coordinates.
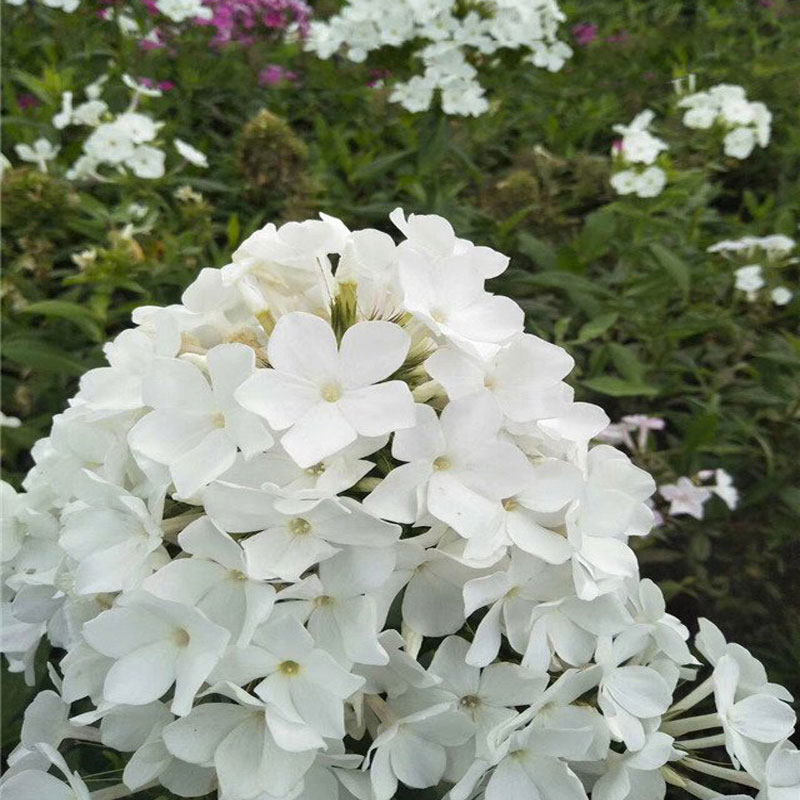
(304, 345)
(278, 397)
(320, 432)
(376, 410)
(370, 352)
(141, 676)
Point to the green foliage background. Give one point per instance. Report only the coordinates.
(626, 286)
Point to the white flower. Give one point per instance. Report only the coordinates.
(191, 154)
(113, 537)
(188, 565)
(625, 182)
(287, 544)
(739, 142)
(629, 693)
(140, 88)
(685, 497)
(524, 377)
(448, 297)
(651, 182)
(155, 643)
(110, 143)
(749, 279)
(410, 744)
(414, 95)
(781, 296)
(253, 748)
(637, 773)
(488, 696)
(64, 117)
(325, 394)
(782, 777)
(181, 10)
(305, 683)
(40, 153)
(9, 422)
(196, 426)
(457, 469)
(639, 146)
(146, 162)
(753, 720)
(216, 580)
(30, 783)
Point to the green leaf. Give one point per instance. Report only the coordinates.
(596, 327)
(233, 230)
(376, 167)
(627, 362)
(619, 387)
(675, 267)
(82, 317)
(38, 355)
(540, 252)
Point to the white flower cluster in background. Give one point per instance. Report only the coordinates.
(123, 141)
(746, 124)
(335, 524)
(636, 152)
(762, 260)
(451, 43)
(63, 5)
(181, 10)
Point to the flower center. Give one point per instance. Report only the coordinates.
(299, 526)
(323, 600)
(237, 575)
(442, 462)
(437, 315)
(289, 668)
(510, 504)
(469, 701)
(218, 420)
(331, 392)
(181, 637)
(316, 470)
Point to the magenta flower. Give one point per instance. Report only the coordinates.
(27, 100)
(239, 20)
(585, 33)
(273, 74)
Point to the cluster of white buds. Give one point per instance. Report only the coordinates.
(762, 265)
(334, 526)
(636, 153)
(453, 39)
(745, 123)
(118, 142)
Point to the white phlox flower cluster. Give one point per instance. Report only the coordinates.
(762, 260)
(452, 43)
(636, 153)
(334, 526)
(181, 10)
(745, 124)
(62, 5)
(689, 495)
(123, 141)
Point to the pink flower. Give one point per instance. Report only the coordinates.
(377, 77)
(27, 100)
(585, 33)
(239, 20)
(273, 74)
